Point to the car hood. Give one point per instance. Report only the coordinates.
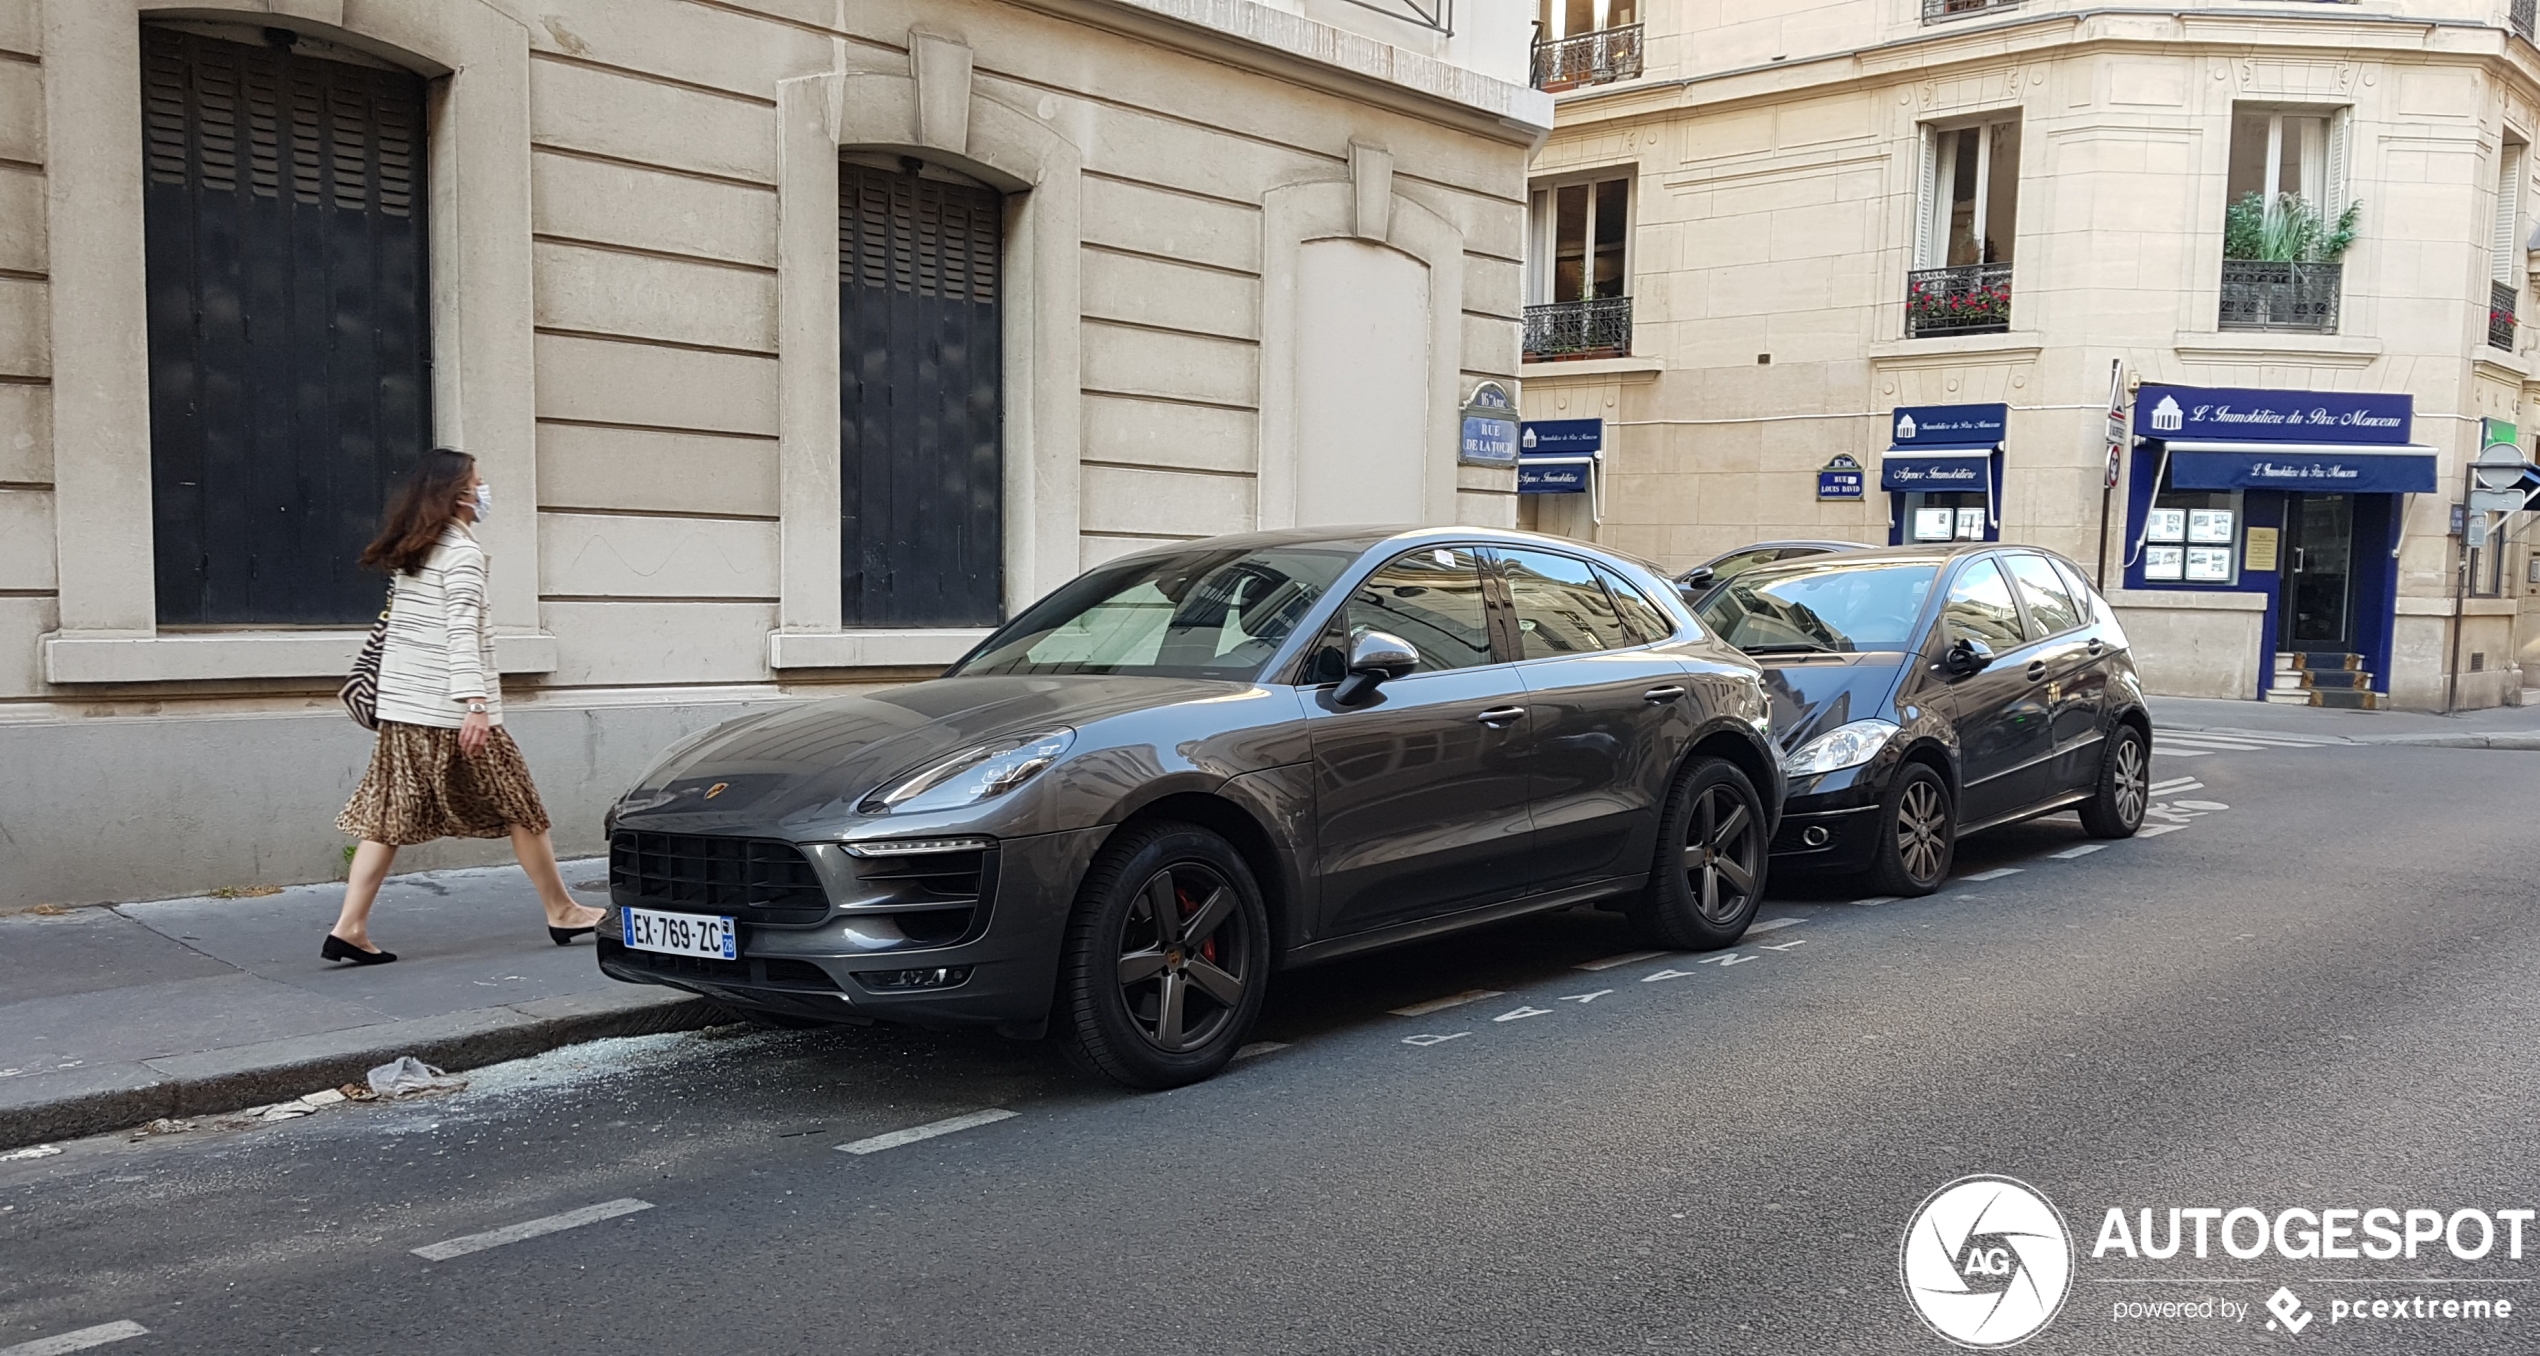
(1814, 693)
(804, 761)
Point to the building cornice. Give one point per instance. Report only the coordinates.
(1320, 55)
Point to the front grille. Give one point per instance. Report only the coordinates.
(778, 973)
(759, 880)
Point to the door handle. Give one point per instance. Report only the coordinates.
(2096, 645)
(2036, 670)
(1502, 715)
(1663, 694)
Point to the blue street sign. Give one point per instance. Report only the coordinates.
(1488, 441)
(1841, 478)
(2218, 414)
(1570, 436)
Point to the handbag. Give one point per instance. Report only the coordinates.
(360, 693)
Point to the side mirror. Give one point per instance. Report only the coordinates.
(1966, 658)
(1694, 583)
(1374, 657)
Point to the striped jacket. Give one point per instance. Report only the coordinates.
(440, 647)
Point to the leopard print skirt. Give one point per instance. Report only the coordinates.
(421, 787)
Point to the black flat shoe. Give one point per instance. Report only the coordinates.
(565, 936)
(337, 949)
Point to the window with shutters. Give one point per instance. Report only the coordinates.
(1579, 303)
(2288, 221)
(2505, 253)
(283, 206)
(1966, 223)
(921, 396)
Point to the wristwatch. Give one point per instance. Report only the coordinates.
(476, 708)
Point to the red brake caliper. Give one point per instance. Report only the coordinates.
(1189, 907)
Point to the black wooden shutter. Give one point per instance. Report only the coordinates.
(921, 409)
(289, 364)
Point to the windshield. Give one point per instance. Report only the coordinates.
(1195, 614)
(1825, 604)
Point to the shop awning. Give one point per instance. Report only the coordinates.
(2336, 468)
(1555, 474)
(1965, 466)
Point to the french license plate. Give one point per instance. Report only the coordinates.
(680, 934)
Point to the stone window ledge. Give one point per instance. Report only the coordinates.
(933, 647)
(73, 658)
(2190, 600)
(2006, 343)
(1593, 369)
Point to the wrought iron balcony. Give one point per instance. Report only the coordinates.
(2500, 315)
(1597, 58)
(2264, 294)
(1934, 11)
(1598, 327)
(1970, 299)
(2524, 16)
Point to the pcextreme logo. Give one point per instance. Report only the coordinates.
(1986, 1262)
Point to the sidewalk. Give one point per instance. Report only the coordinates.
(2500, 727)
(110, 1017)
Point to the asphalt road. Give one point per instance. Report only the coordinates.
(2317, 991)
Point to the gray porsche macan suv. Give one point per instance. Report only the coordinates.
(1194, 766)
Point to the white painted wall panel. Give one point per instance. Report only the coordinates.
(626, 468)
(610, 292)
(597, 555)
(630, 383)
(604, 644)
(650, 209)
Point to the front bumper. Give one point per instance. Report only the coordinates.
(1830, 821)
(835, 968)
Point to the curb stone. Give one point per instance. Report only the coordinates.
(117, 1096)
(2525, 741)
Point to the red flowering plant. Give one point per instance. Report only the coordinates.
(1939, 304)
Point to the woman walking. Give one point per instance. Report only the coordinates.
(443, 767)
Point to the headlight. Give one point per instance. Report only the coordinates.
(1846, 746)
(982, 772)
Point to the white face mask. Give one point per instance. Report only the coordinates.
(484, 501)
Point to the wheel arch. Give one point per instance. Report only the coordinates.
(1743, 750)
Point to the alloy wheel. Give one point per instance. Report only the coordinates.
(1183, 969)
(2133, 781)
(1723, 847)
(1922, 831)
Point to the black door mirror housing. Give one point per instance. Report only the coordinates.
(1374, 658)
(1966, 658)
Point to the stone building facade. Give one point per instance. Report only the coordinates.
(1771, 236)
(800, 340)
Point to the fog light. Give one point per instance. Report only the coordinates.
(1815, 835)
(903, 981)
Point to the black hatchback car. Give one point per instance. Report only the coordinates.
(1924, 693)
(1197, 765)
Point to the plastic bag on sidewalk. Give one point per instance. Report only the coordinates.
(407, 1076)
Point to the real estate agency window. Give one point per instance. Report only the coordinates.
(2192, 537)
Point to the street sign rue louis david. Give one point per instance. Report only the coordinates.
(1841, 478)
(1490, 428)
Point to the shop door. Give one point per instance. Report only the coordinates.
(2317, 601)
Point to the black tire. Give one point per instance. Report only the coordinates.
(1151, 1001)
(1713, 854)
(2125, 786)
(1918, 833)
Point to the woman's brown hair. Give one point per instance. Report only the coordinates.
(423, 506)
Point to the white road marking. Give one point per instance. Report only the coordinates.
(1996, 873)
(1624, 959)
(1770, 924)
(2165, 749)
(2205, 805)
(1260, 1048)
(2083, 851)
(495, 1238)
(2167, 782)
(1725, 960)
(1783, 946)
(31, 1151)
(1583, 999)
(1425, 1041)
(970, 1120)
(2156, 830)
(77, 1341)
(2208, 742)
(1519, 1014)
(2291, 741)
(1666, 974)
(1450, 1001)
(1873, 903)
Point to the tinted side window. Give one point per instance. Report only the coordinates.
(1639, 614)
(1980, 606)
(2050, 600)
(2084, 596)
(1561, 609)
(1431, 598)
